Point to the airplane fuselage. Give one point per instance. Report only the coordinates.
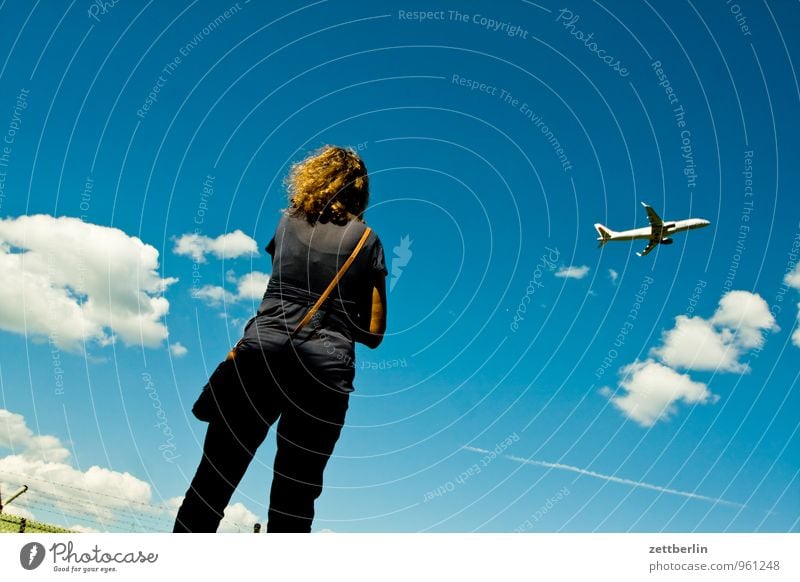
(666, 231)
(659, 231)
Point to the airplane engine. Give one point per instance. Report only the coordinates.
(667, 241)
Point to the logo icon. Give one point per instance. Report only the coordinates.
(31, 555)
(402, 254)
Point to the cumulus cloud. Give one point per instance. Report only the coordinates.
(237, 518)
(738, 325)
(650, 391)
(106, 498)
(226, 246)
(16, 436)
(214, 295)
(695, 344)
(796, 334)
(83, 529)
(178, 350)
(573, 272)
(41, 461)
(613, 275)
(248, 287)
(747, 315)
(252, 285)
(73, 282)
(792, 279)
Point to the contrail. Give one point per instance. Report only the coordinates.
(631, 482)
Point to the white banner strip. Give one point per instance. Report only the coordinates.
(390, 557)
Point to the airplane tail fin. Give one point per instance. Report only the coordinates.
(604, 232)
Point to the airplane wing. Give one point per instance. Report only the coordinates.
(655, 219)
(650, 246)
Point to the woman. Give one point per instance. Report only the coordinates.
(302, 381)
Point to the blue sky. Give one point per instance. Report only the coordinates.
(529, 381)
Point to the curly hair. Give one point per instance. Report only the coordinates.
(331, 183)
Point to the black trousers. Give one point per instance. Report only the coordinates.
(309, 415)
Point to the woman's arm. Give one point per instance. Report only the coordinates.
(377, 323)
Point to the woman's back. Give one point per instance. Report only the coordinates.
(305, 258)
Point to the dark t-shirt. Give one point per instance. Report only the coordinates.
(305, 259)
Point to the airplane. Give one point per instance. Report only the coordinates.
(659, 232)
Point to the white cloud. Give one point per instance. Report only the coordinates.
(237, 518)
(17, 437)
(106, 498)
(18, 510)
(613, 275)
(73, 281)
(792, 279)
(252, 285)
(716, 344)
(747, 315)
(83, 529)
(249, 287)
(53, 479)
(178, 350)
(651, 391)
(573, 272)
(695, 344)
(225, 246)
(796, 334)
(214, 295)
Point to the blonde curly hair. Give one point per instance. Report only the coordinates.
(331, 183)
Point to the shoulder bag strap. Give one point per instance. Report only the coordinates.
(333, 283)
